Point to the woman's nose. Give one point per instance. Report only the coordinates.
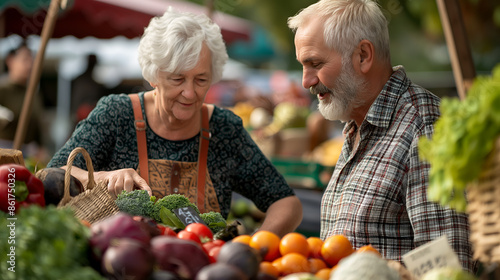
(189, 89)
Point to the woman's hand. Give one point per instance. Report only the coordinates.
(122, 179)
(118, 180)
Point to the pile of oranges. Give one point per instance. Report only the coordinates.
(294, 253)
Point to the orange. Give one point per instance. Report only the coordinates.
(323, 273)
(278, 265)
(267, 244)
(368, 248)
(245, 239)
(335, 248)
(315, 244)
(316, 265)
(268, 268)
(294, 242)
(294, 263)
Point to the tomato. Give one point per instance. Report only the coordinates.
(165, 230)
(186, 235)
(219, 242)
(212, 249)
(214, 253)
(204, 233)
(207, 246)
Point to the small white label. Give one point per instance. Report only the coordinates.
(435, 254)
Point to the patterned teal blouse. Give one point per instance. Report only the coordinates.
(234, 161)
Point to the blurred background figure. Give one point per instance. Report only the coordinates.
(19, 62)
(86, 91)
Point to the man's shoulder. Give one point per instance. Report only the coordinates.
(425, 102)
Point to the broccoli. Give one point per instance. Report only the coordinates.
(214, 220)
(171, 202)
(136, 203)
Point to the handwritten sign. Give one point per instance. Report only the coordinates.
(188, 215)
(435, 254)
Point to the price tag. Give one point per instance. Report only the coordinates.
(435, 254)
(188, 215)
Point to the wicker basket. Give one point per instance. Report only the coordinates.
(95, 203)
(484, 210)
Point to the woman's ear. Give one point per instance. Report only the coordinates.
(364, 56)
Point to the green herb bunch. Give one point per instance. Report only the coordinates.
(464, 136)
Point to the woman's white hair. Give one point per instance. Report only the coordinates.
(173, 42)
(346, 23)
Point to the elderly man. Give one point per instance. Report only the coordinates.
(378, 192)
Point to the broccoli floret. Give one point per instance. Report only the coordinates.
(214, 220)
(171, 202)
(136, 203)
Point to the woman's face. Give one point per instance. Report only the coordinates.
(181, 95)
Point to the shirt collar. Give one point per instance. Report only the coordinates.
(382, 109)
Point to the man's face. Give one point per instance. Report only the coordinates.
(336, 85)
(20, 65)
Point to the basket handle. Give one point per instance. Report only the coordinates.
(67, 176)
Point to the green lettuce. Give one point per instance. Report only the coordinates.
(464, 136)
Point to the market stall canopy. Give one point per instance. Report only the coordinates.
(106, 19)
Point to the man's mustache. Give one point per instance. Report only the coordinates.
(319, 88)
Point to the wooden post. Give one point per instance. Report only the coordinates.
(48, 28)
(458, 45)
(210, 8)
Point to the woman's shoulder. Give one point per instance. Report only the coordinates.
(225, 116)
(115, 98)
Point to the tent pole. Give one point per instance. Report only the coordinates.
(48, 28)
(210, 8)
(458, 45)
(2, 35)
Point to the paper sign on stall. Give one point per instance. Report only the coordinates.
(435, 254)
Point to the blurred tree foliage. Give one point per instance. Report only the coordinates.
(416, 32)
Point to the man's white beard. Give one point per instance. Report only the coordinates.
(339, 103)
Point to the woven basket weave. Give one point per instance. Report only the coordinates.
(484, 210)
(95, 203)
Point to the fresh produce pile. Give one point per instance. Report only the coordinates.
(463, 138)
(295, 256)
(44, 243)
(139, 203)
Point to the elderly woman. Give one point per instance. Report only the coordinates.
(172, 142)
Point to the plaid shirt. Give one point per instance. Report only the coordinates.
(378, 195)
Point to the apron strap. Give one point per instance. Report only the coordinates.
(202, 157)
(140, 128)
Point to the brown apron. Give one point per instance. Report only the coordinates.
(165, 177)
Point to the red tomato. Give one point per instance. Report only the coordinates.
(219, 242)
(204, 233)
(164, 230)
(214, 253)
(207, 246)
(186, 235)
